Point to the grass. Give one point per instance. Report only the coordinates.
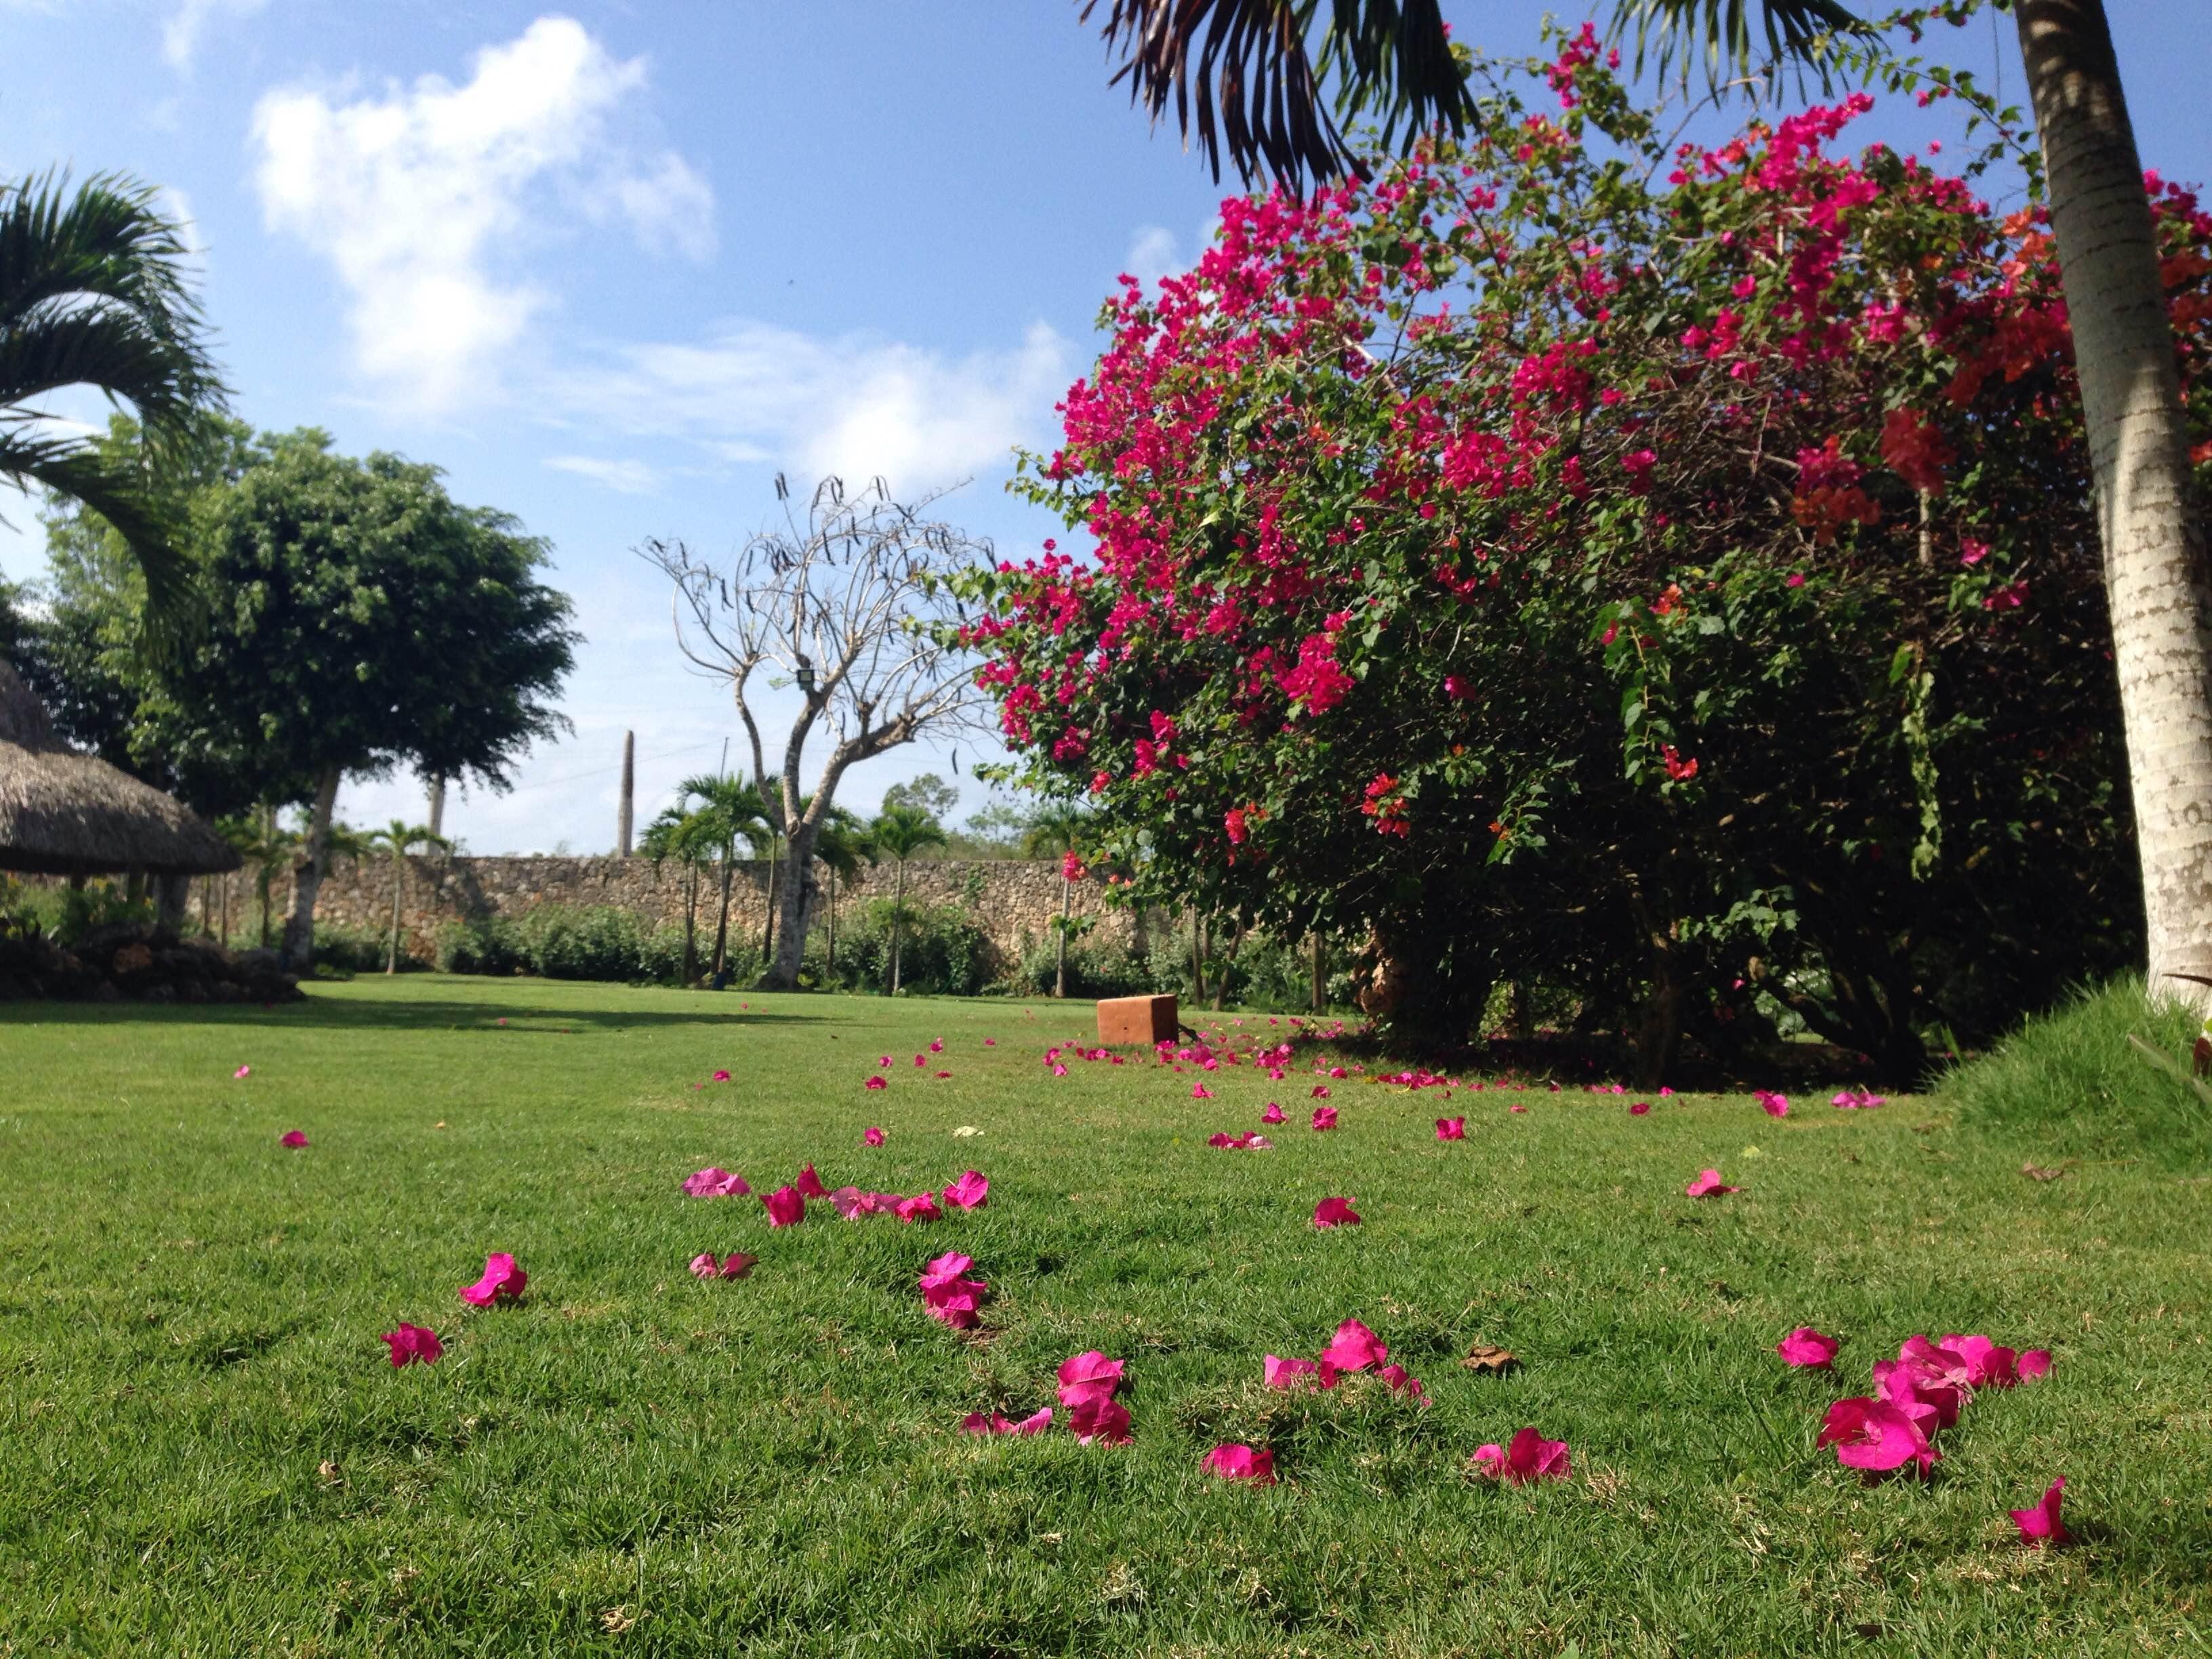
(203, 1450)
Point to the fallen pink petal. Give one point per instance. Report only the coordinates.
(971, 1192)
(1320, 1092)
(243, 1071)
(1875, 1435)
(2041, 1525)
(1988, 1365)
(872, 1136)
(1324, 1117)
(1087, 1377)
(1641, 1108)
(294, 1139)
(1708, 1184)
(1451, 1128)
(712, 1182)
(1273, 1114)
(1807, 1348)
(1104, 1422)
(1239, 1462)
(1772, 1104)
(1354, 1348)
(2034, 1364)
(1398, 1380)
(721, 1077)
(1286, 1373)
(948, 1294)
(786, 1206)
(876, 1082)
(922, 1207)
(1199, 1091)
(501, 1280)
(414, 1345)
(1335, 1212)
(1528, 1457)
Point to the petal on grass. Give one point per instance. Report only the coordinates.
(501, 1280)
(1239, 1462)
(2041, 1525)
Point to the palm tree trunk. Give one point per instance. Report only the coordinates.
(1197, 959)
(398, 875)
(299, 947)
(898, 925)
(723, 926)
(833, 924)
(1060, 951)
(691, 922)
(2158, 590)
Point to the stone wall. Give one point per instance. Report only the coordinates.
(1014, 902)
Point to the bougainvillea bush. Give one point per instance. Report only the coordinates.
(1666, 574)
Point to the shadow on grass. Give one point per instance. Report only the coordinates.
(383, 1013)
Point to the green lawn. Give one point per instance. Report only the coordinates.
(203, 1451)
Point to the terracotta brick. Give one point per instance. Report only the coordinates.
(1144, 1020)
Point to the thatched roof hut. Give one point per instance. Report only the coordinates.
(63, 813)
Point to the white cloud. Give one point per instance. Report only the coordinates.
(180, 34)
(856, 406)
(419, 197)
(1156, 252)
(630, 477)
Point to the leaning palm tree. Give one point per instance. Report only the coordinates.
(1052, 833)
(899, 833)
(399, 838)
(688, 838)
(730, 811)
(841, 843)
(96, 291)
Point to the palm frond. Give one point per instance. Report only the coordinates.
(142, 515)
(1676, 36)
(1254, 91)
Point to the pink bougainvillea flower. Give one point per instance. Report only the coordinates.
(1320, 1092)
(294, 1139)
(851, 1202)
(1398, 1380)
(937, 1045)
(705, 1266)
(2041, 1525)
(922, 1207)
(243, 1071)
(1877, 1436)
(721, 1077)
(1451, 1128)
(873, 1137)
(736, 1264)
(1273, 1114)
(501, 1280)
(1088, 1376)
(1324, 1117)
(1988, 1365)
(1199, 1091)
(1808, 1348)
(1335, 1212)
(1528, 1457)
(1772, 1104)
(2034, 1364)
(948, 1294)
(944, 1074)
(809, 1184)
(978, 1423)
(876, 1082)
(970, 1192)
(1235, 1463)
(1517, 1107)
(1940, 1376)
(1286, 1373)
(1862, 1101)
(786, 1206)
(919, 1062)
(1641, 1108)
(414, 1345)
(1105, 1422)
(1354, 1348)
(1708, 1185)
(712, 1182)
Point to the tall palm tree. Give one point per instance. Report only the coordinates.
(267, 848)
(96, 289)
(399, 838)
(1394, 54)
(730, 811)
(841, 843)
(900, 832)
(688, 838)
(1052, 833)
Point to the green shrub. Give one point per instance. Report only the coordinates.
(945, 952)
(341, 950)
(66, 914)
(560, 941)
(479, 944)
(2070, 1080)
(1093, 971)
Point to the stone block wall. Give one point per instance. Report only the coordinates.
(1014, 902)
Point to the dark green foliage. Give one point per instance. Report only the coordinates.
(348, 950)
(66, 914)
(557, 941)
(2069, 1084)
(945, 950)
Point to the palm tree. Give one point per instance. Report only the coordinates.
(688, 838)
(729, 809)
(1394, 54)
(1052, 833)
(266, 847)
(400, 838)
(96, 291)
(902, 832)
(841, 843)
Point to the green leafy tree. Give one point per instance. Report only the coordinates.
(729, 812)
(928, 792)
(900, 833)
(357, 618)
(267, 846)
(399, 838)
(96, 291)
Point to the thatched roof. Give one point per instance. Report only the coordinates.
(70, 814)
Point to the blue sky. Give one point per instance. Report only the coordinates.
(613, 266)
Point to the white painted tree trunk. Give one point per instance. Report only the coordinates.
(299, 948)
(2154, 574)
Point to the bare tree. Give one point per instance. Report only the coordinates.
(851, 604)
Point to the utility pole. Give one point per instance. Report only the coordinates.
(629, 789)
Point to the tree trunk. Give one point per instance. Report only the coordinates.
(1319, 1000)
(399, 876)
(299, 947)
(780, 972)
(767, 926)
(691, 923)
(2158, 592)
(723, 926)
(171, 894)
(438, 803)
(898, 924)
(1059, 953)
(833, 924)
(1197, 959)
